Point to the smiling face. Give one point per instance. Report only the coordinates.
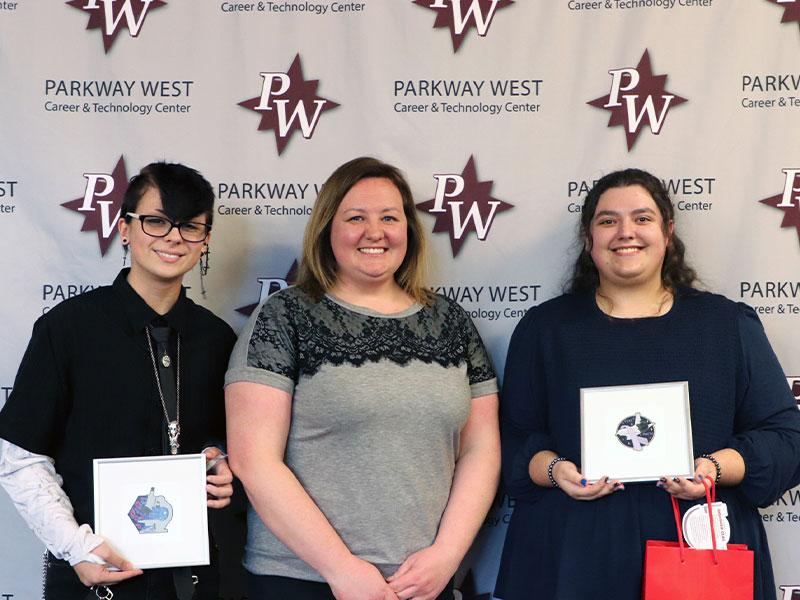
(162, 260)
(628, 238)
(369, 234)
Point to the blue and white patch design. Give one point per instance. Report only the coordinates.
(636, 431)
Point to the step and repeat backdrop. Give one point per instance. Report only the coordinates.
(502, 113)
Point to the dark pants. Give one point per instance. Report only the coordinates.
(62, 583)
(273, 587)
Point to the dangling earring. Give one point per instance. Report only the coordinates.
(124, 251)
(204, 269)
(204, 261)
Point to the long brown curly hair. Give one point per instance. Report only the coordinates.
(675, 272)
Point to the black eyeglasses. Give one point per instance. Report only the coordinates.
(156, 226)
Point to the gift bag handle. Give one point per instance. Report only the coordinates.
(711, 496)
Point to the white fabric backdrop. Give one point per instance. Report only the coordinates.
(489, 91)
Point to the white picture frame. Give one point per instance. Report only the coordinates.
(152, 509)
(654, 417)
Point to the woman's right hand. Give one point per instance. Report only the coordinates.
(91, 573)
(360, 580)
(575, 485)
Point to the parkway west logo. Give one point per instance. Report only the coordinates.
(637, 99)
(791, 10)
(462, 15)
(463, 204)
(788, 200)
(101, 203)
(794, 383)
(111, 16)
(270, 285)
(790, 592)
(288, 103)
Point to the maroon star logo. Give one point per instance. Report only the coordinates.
(288, 103)
(645, 104)
(794, 383)
(788, 203)
(289, 279)
(110, 16)
(463, 204)
(101, 203)
(461, 15)
(791, 10)
(467, 589)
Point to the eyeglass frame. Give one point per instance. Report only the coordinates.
(172, 225)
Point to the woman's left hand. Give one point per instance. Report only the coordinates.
(690, 489)
(219, 482)
(423, 575)
(683, 489)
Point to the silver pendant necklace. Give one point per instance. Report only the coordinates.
(173, 427)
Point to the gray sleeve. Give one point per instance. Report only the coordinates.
(265, 352)
(482, 380)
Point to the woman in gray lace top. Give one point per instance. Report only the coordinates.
(362, 410)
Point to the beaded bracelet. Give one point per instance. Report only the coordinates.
(716, 466)
(550, 470)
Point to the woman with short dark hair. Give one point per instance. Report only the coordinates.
(131, 369)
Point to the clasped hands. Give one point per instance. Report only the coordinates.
(422, 576)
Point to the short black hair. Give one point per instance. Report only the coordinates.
(185, 193)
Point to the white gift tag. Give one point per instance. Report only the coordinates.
(696, 530)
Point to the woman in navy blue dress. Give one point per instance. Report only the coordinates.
(632, 316)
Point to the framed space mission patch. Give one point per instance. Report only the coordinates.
(636, 432)
(152, 509)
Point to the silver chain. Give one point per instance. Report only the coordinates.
(44, 573)
(173, 435)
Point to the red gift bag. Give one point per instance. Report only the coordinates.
(674, 572)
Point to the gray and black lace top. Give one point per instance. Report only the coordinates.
(378, 404)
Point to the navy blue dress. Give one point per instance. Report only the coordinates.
(560, 548)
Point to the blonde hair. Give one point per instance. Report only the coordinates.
(318, 266)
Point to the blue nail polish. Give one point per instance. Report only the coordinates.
(659, 484)
(583, 482)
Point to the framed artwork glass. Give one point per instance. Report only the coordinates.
(636, 432)
(152, 509)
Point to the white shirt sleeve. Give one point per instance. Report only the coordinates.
(35, 490)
